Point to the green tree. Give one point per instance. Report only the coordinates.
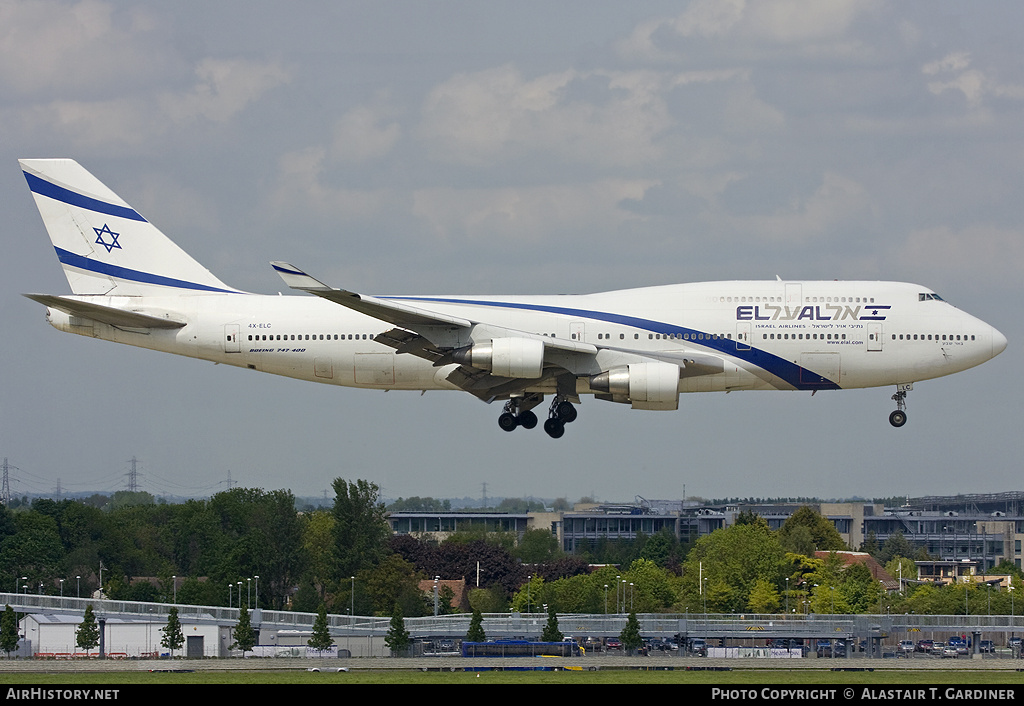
(173, 638)
(730, 561)
(397, 638)
(321, 637)
(764, 598)
(825, 535)
(9, 631)
(476, 628)
(896, 545)
(630, 635)
(360, 528)
(551, 632)
(87, 635)
(393, 580)
(245, 636)
(537, 546)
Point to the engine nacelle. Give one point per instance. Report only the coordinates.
(505, 357)
(653, 385)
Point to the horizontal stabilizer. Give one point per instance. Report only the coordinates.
(104, 314)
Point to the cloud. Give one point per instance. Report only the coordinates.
(774, 22)
(222, 89)
(975, 85)
(836, 201)
(986, 250)
(600, 117)
(528, 214)
(79, 48)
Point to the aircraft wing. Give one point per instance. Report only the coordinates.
(401, 314)
(392, 312)
(121, 318)
(414, 329)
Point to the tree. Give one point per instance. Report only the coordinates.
(397, 638)
(9, 631)
(321, 638)
(476, 628)
(173, 638)
(536, 546)
(630, 635)
(825, 535)
(896, 545)
(551, 632)
(87, 635)
(245, 636)
(764, 598)
(361, 529)
(730, 561)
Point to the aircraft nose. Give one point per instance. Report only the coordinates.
(998, 343)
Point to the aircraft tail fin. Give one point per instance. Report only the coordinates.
(104, 245)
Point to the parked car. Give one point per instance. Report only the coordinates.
(950, 651)
(698, 647)
(938, 647)
(906, 647)
(960, 643)
(986, 646)
(924, 646)
(613, 643)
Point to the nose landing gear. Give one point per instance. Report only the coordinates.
(899, 417)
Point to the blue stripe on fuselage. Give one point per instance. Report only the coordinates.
(59, 193)
(780, 367)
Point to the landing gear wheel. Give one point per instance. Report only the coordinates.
(566, 412)
(554, 427)
(898, 418)
(508, 421)
(527, 420)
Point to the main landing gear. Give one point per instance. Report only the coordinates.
(518, 413)
(899, 417)
(560, 413)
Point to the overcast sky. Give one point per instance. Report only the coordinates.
(518, 147)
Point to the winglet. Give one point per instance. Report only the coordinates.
(297, 279)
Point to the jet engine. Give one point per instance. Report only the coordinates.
(653, 385)
(505, 357)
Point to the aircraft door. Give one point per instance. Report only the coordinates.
(231, 343)
(743, 337)
(576, 330)
(874, 337)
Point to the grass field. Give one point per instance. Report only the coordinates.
(620, 676)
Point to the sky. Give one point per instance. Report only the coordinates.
(517, 147)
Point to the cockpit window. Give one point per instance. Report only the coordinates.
(929, 296)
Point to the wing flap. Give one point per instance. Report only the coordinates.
(114, 316)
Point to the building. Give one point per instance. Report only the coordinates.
(985, 528)
(53, 635)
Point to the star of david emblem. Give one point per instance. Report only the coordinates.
(105, 230)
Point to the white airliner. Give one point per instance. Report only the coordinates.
(642, 347)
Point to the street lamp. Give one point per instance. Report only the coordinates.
(606, 599)
(78, 586)
(257, 591)
(248, 593)
(231, 603)
(787, 595)
(352, 603)
(174, 589)
(62, 588)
